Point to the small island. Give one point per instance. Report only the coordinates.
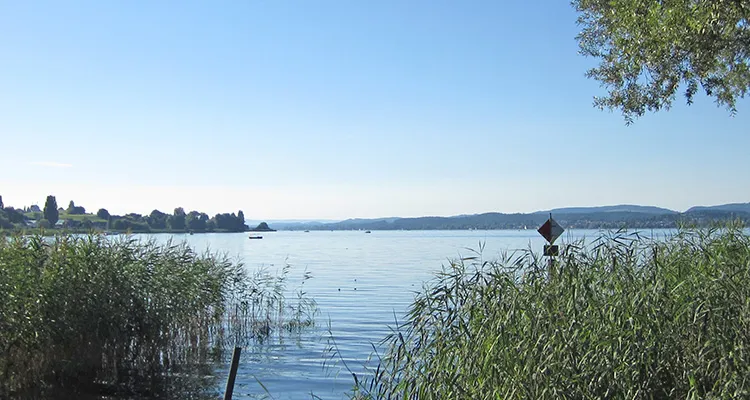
(262, 227)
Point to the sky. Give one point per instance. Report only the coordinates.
(336, 109)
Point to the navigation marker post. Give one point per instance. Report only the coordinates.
(550, 231)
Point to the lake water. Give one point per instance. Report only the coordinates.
(361, 283)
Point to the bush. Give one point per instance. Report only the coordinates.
(5, 223)
(79, 310)
(103, 214)
(628, 318)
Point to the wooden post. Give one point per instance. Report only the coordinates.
(232, 373)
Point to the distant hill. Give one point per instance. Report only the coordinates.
(733, 207)
(605, 217)
(291, 224)
(617, 208)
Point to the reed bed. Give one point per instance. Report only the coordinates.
(95, 314)
(624, 318)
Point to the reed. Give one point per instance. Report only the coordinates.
(624, 318)
(91, 312)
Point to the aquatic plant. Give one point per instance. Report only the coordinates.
(626, 317)
(95, 313)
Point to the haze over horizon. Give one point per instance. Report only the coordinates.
(336, 110)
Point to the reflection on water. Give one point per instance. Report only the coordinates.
(197, 382)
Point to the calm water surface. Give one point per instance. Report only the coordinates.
(361, 282)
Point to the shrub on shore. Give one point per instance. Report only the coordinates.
(92, 311)
(626, 318)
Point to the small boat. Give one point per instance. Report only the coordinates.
(367, 231)
(255, 237)
(307, 231)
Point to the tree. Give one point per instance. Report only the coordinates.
(228, 222)
(157, 220)
(14, 216)
(1, 203)
(75, 210)
(103, 214)
(649, 49)
(241, 227)
(177, 220)
(4, 222)
(196, 221)
(50, 212)
(119, 225)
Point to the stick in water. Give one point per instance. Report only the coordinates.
(232, 373)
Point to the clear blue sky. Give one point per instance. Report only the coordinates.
(335, 109)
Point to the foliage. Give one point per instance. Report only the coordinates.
(157, 220)
(129, 222)
(572, 220)
(75, 218)
(1, 203)
(103, 214)
(230, 222)
(628, 318)
(4, 222)
(176, 221)
(196, 221)
(51, 213)
(75, 210)
(648, 49)
(13, 215)
(262, 227)
(83, 312)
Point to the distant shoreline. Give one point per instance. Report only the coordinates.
(607, 217)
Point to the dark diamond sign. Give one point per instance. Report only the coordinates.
(551, 230)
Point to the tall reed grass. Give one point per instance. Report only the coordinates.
(88, 313)
(625, 318)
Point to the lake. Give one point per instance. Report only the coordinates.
(362, 282)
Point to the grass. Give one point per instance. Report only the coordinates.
(626, 318)
(80, 217)
(65, 216)
(119, 315)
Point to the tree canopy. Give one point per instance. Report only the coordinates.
(75, 210)
(177, 220)
(51, 212)
(156, 221)
(650, 49)
(103, 214)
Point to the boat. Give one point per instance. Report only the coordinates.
(307, 231)
(255, 237)
(367, 231)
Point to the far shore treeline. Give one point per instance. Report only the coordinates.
(77, 218)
